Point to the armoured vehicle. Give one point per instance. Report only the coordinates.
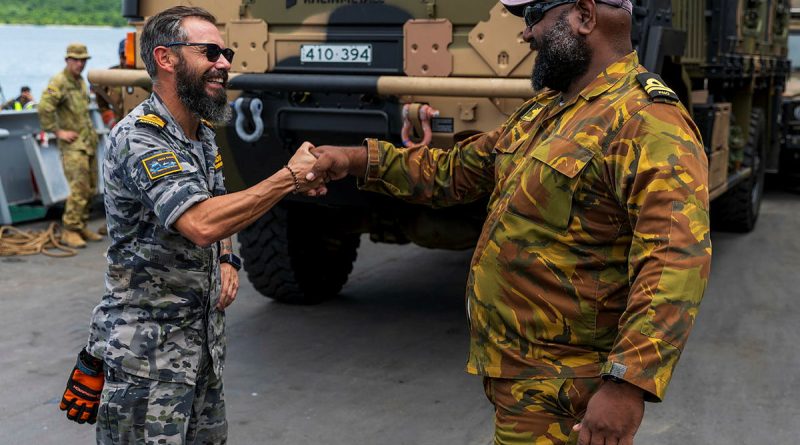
(438, 71)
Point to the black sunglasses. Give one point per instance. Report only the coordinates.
(533, 14)
(213, 51)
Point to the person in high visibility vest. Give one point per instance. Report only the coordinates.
(23, 102)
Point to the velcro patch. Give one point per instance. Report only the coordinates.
(656, 88)
(218, 162)
(162, 164)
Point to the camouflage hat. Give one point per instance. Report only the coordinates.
(77, 51)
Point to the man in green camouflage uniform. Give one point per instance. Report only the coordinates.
(159, 331)
(64, 110)
(594, 257)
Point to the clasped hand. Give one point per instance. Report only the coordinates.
(315, 166)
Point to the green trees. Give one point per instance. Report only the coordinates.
(62, 12)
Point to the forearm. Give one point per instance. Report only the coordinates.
(220, 217)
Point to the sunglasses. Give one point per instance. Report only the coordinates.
(213, 51)
(533, 14)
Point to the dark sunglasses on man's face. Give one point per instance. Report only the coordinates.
(533, 14)
(213, 51)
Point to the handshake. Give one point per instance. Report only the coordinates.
(313, 167)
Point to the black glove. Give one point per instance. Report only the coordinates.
(82, 396)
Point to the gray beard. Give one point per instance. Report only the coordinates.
(192, 93)
(563, 57)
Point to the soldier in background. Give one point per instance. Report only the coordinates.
(64, 110)
(109, 99)
(594, 257)
(22, 102)
(152, 368)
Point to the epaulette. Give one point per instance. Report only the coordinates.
(655, 87)
(151, 120)
(207, 123)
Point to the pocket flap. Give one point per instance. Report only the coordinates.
(566, 157)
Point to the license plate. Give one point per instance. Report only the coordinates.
(328, 53)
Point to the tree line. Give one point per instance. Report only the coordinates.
(62, 12)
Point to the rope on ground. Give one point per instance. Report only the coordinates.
(14, 241)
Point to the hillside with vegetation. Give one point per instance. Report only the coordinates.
(62, 12)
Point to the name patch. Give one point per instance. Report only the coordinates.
(162, 164)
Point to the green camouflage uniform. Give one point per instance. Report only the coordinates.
(157, 328)
(65, 106)
(596, 251)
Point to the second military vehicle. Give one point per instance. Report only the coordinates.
(439, 71)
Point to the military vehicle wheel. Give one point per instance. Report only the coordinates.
(737, 210)
(291, 262)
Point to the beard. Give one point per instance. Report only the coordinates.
(192, 93)
(562, 57)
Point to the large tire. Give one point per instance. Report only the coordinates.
(737, 210)
(289, 261)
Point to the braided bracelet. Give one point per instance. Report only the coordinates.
(296, 181)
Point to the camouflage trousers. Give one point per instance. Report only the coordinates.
(538, 412)
(135, 410)
(80, 169)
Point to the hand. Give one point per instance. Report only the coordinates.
(613, 415)
(67, 136)
(332, 162)
(301, 164)
(82, 396)
(229, 278)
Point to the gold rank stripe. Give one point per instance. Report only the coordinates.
(218, 162)
(152, 119)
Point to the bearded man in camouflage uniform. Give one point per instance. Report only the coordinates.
(152, 370)
(64, 110)
(594, 257)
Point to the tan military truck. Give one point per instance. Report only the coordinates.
(438, 71)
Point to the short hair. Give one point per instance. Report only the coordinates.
(25, 89)
(166, 27)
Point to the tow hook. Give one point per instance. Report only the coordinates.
(417, 116)
(253, 107)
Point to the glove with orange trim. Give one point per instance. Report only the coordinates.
(82, 396)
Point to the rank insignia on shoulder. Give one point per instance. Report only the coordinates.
(218, 162)
(151, 120)
(162, 164)
(207, 123)
(656, 88)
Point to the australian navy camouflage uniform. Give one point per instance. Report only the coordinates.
(595, 253)
(65, 106)
(157, 328)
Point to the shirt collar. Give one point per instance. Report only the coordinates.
(611, 75)
(158, 107)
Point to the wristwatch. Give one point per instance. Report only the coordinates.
(231, 259)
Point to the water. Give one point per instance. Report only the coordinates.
(32, 54)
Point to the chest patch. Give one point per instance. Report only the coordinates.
(655, 87)
(162, 164)
(218, 162)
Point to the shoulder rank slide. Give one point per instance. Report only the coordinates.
(151, 120)
(218, 162)
(162, 164)
(656, 88)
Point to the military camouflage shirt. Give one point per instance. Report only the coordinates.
(65, 106)
(159, 309)
(596, 251)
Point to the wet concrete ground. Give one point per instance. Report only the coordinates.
(383, 364)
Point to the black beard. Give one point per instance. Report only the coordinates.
(562, 58)
(192, 93)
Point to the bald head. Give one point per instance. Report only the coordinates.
(614, 25)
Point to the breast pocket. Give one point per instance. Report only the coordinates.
(546, 187)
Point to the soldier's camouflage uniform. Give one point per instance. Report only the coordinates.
(65, 106)
(595, 253)
(157, 328)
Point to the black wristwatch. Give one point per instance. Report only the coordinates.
(231, 259)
